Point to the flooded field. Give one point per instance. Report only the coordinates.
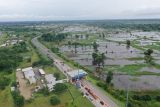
(145, 82)
(117, 54)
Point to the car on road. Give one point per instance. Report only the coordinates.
(101, 102)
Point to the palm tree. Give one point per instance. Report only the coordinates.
(95, 46)
(77, 36)
(94, 56)
(75, 46)
(148, 58)
(103, 57)
(128, 42)
(87, 36)
(69, 44)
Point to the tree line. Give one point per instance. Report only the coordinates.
(54, 37)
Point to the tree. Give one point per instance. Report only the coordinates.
(103, 35)
(53, 37)
(148, 52)
(95, 46)
(9, 59)
(109, 77)
(87, 36)
(77, 36)
(75, 46)
(60, 87)
(4, 81)
(57, 75)
(44, 91)
(18, 99)
(20, 47)
(99, 59)
(128, 42)
(103, 57)
(69, 42)
(148, 58)
(94, 56)
(54, 100)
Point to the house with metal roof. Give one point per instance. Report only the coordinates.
(41, 71)
(76, 74)
(29, 74)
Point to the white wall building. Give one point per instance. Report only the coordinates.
(41, 71)
(51, 81)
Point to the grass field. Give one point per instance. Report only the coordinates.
(52, 70)
(3, 38)
(66, 99)
(5, 95)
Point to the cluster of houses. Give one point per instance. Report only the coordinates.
(11, 42)
(36, 76)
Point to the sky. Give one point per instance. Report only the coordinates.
(45, 10)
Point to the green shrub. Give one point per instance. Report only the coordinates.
(4, 81)
(44, 91)
(57, 75)
(54, 100)
(158, 98)
(60, 87)
(18, 99)
(100, 84)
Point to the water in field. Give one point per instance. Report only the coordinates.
(117, 54)
(145, 82)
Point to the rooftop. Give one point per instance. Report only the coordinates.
(77, 72)
(50, 78)
(41, 71)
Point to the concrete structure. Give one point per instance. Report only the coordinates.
(76, 74)
(13, 89)
(29, 74)
(41, 71)
(51, 81)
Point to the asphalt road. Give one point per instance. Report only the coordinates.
(65, 68)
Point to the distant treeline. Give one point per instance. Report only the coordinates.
(54, 37)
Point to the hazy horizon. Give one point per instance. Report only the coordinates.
(60, 10)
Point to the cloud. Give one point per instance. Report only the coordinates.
(77, 9)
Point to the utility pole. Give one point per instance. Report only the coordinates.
(78, 71)
(71, 95)
(127, 97)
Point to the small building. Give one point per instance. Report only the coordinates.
(41, 71)
(3, 45)
(29, 74)
(18, 69)
(76, 74)
(13, 89)
(51, 81)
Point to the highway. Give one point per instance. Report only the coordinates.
(95, 95)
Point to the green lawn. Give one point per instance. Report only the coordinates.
(66, 99)
(131, 69)
(3, 38)
(5, 95)
(52, 70)
(6, 98)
